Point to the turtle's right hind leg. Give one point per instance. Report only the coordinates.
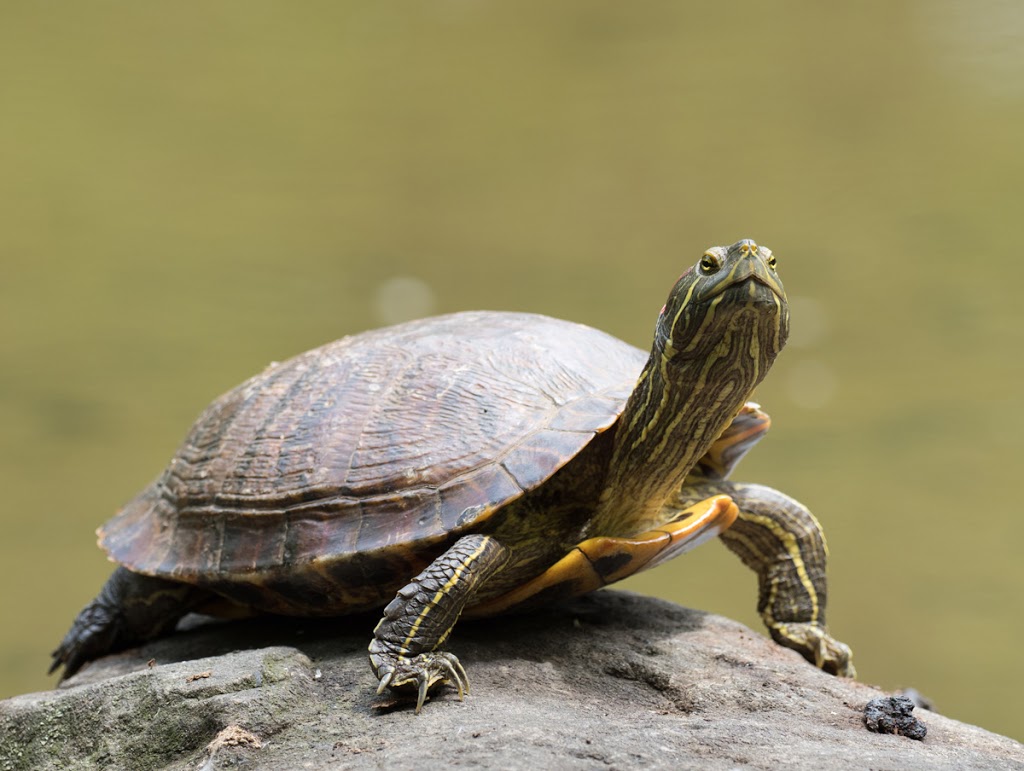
(130, 609)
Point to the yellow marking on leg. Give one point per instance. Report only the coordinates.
(440, 593)
(789, 542)
(766, 614)
(153, 597)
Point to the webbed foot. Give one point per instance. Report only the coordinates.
(421, 673)
(814, 643)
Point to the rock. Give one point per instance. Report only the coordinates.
(611, 680)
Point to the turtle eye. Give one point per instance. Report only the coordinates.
(709, 263)
(771, 261)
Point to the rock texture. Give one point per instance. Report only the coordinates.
(612, 680)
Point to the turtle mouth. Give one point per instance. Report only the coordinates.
(752, 287)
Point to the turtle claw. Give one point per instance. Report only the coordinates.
(456, 674)
(814, 643)
(385, 681)
(423, 672)
(422, 697)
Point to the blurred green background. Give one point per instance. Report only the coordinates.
(189, 191)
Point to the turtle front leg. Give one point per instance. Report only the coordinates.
(779, 539)
(404, 652)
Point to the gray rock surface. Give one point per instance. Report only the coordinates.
(612, 680)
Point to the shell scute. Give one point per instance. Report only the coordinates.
(529, 463)
(468, 499)
(599, 410)
(255, 543)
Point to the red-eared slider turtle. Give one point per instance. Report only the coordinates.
(479, 462)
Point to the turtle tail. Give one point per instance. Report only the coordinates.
(130, 609)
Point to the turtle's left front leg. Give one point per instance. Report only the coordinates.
(404, 651)
(780, 540)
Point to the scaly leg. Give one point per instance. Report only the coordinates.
(130, 609)
(781, 541)
(404, 651)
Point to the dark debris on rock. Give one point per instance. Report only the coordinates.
(894, 715)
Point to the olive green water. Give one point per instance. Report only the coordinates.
(187, 193)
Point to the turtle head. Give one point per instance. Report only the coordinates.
(731, 298)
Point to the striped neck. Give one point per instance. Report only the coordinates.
(680, 405)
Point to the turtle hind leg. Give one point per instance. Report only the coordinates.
(130, 609)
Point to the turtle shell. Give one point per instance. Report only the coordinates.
(325, 470)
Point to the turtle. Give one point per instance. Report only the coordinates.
(472, 464)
